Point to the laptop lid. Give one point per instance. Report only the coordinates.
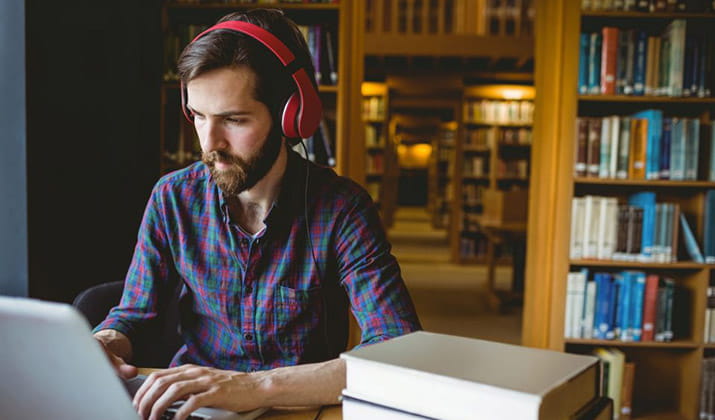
(51, 367)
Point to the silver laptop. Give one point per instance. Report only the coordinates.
(52, 368)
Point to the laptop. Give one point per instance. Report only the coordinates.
(52, 368)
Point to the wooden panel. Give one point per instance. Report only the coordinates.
(352, 136)
(551, 189)
(448, 45)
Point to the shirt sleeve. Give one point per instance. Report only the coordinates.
(148, 275)
(371, 275)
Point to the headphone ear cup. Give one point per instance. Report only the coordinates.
(289, 121)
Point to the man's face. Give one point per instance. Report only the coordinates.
(234, 128)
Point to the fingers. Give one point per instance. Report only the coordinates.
(194, 402)
(157, 384)
(175, 392)
(121, 367)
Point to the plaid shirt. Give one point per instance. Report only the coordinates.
(257, 303)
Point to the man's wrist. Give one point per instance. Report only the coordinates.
(267, 387)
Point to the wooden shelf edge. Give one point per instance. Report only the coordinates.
(648, 344)
(681, 265)
(644, 182)
(645, 99)
(652, 15)
(294, 6)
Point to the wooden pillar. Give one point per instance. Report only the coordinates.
(556, 70)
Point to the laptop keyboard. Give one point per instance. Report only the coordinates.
(169, 415)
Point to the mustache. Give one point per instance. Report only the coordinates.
(210, 158)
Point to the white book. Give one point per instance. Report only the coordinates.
(591, 226)
(579, 296)
(608, 224)
(448, 377)
(604, 164)
(577, 220)
(588, 312)
(570, 306)
(615, 134)
(354, 409)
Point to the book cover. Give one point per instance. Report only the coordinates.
(449, 377)
(649, 307)
(665, 150)
(639, 67)
(589, 308)
(636, 307)
(583, 64)
(629, 370)
(594, 147)
(604, 160)
(578, 209)
(654, 134)
(616, 361)
(677, 150)
(624, 282)
(637, 155)
(709, 227)
(594, 63)
(609, 55)
(691, 245)
(646, 201)
(614, 140)
(692, 148)
(581, 161)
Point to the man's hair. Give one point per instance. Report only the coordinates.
(226, 48)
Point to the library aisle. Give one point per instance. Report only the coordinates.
(450, 298)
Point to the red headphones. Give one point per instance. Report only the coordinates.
(302, 111)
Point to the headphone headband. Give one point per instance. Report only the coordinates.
(302, 111)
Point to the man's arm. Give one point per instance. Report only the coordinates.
(303, 385)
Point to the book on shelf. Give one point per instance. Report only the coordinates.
(614, 361)
(628, 61)
(626, 306)
(709, 227)
(709, 329)
(707, 389)
(629, 371)
(492, 111)
(448, 377)
(642, 146)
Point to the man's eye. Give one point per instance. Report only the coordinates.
(197, 116)
(235, 120)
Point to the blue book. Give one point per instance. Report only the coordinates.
(637, 302)
(665, 150)
(583, 64)
(594, 63)
(601, 317)
(646, 201)
(615, 292)
(639, 67)
(653, 144)
(691, 245)
(709, 227)
(624, 283)
(692, 147)
(711, 172)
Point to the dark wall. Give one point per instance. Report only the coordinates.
(93, 100)
(13, 198)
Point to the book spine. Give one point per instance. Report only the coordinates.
(661, 302)
(594, 147)
(578, 205)
(677, 58)
(677, 150)
(589, 310)
(640, 63)
(711, 171)
(582, 136)
(665, 150)
(646, 201)
(603, 303)
(691, 244)
(609, 54)
(709, 227)
(649, 307)
(594, 63)
(604, 164)
(637, 299)
(623, 282)
(692, 147)
(637, 155)
(650, 67)
(614, 139)
(624, 145)
(630, 61)
(583, 63)
(670, 299)
(627, 391)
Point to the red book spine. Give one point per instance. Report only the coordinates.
(609, 58)
(649, 302)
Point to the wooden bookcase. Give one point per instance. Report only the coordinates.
(183, 19)
(493, 152)
(441, 181)
(667, 381)
(379, 151)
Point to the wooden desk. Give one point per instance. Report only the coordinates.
(329, 412)
(497, 232)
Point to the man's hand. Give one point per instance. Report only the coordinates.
(123, 369)
(200, 387)
(118, 348)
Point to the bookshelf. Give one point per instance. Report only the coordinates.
(441, 175)
(667, 374)
(375, 117)
(493, 154)
(182, 20)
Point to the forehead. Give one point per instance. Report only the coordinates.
(227, 86)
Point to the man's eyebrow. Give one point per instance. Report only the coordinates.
(229, 113)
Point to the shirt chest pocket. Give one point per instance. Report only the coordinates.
(296, 317)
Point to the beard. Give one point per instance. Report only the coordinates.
(243, 174)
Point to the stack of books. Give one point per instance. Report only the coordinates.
(426, 375)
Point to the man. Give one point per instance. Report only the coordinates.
(255, 259)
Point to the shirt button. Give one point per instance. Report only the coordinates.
(248, 337)
(247, 290)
